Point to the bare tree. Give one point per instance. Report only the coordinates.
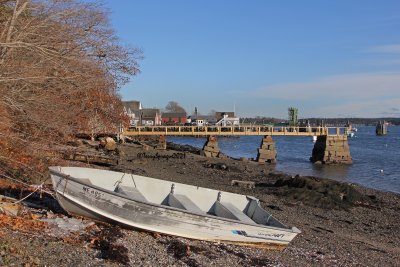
(212, 112)
(61, 66)
(173, 106)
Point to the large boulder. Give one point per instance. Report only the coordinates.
(108, 144)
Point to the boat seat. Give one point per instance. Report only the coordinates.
(229, 211)
(131, 192)
(183, 202)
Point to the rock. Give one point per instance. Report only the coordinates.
(108, 143)
(90, 143)
(222, 166)
(321, 193)
(218, 166)
(75, 143)
(147, 147)
(245, 184)
(222, 156)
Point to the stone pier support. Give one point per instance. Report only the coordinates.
(162, 143)
(211, 149)
(331, 150)
(267, 152)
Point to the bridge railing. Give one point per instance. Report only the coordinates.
(234, 130)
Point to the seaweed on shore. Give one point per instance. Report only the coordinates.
(317, 192)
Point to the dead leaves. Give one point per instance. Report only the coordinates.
(22, 224)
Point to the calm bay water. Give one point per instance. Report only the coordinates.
(376, 159)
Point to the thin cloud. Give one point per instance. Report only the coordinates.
(372, 108)
(392, 112)
(384, 62)
(354, 86)
(391, 49)
(363, 94)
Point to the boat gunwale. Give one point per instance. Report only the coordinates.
(77, 180)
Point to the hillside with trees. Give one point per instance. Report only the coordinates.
(61, 65)
(317, 121)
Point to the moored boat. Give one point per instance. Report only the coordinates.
(168, 207)
(381, 128)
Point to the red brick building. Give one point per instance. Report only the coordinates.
(173, 118)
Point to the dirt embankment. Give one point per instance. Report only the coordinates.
(341, 224)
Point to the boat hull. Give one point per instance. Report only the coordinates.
(104, 205)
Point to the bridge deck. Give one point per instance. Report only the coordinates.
(233, 130)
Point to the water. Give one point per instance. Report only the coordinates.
(376, 159)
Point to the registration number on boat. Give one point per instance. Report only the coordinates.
(91, 191)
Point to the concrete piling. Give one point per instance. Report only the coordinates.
(162, 143)
(331, 150)
(211, 149)
(267, 151)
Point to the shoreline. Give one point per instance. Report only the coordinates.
(342, 224)
(329, 212)
(294, 163)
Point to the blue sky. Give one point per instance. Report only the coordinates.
(328, 58)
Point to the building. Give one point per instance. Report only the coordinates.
(220, 114)
(293, 116)
(200, 122)
(150, 116)
(226, 119)
(132, 109)
(173, 118)
(141, 116)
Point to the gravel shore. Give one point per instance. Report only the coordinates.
(342, 224)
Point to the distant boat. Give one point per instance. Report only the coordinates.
(381, 128)
(167, 207)
(350, 134)
(350, 130)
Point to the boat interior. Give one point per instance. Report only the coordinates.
(193, 199)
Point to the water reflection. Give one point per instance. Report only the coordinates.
(337, 172)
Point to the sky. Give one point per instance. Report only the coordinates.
(258, 57)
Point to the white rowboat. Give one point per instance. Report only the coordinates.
(167, 207)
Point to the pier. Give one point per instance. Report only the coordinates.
(331, 146)
(233, 131)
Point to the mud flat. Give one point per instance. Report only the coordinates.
(341, 224)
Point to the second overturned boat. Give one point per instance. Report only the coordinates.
(167, 207)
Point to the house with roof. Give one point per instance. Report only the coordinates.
(226, 118)
(132, 109)
(141, 116)
(150, 116)
(220, 114)
(173, 118)
(202, 120)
